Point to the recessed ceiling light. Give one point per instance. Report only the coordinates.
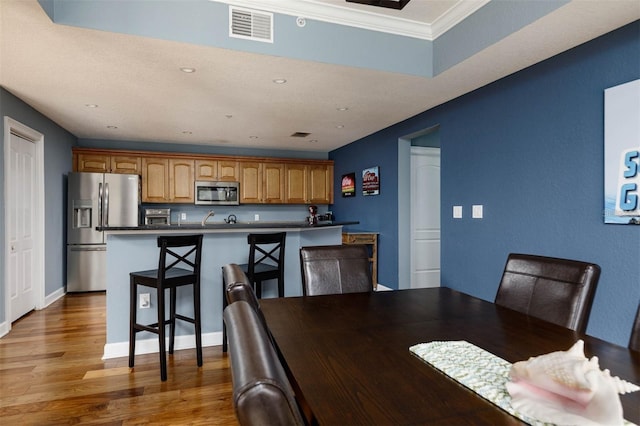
(112, 127)
(229, 116)
(253, 137)
(342, 108)
(313, 141)
(188, 70)
(186, 132)
(91, 105)
(279, 80)
(340, 126)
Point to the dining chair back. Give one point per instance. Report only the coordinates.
(178, 265)
(237, 286)
(266, 260)
(262, 394)
(335, 269)
(557, 290)
(634, 340)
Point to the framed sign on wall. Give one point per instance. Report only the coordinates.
(371, 181)
(349, 185)
(622, 154)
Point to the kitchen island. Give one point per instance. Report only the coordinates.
(135, 248)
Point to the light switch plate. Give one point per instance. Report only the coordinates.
(183, 216)
(457, 212)
(476, 211)
(256, 217)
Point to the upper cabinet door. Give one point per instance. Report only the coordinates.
(296, 184)
(228, 171)
(273, 180)
(206, 170)
(126, 164)
(95, 163)
(250, 182)
(181, 182)
(155, 180)
(320, 184)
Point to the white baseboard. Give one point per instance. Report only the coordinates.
(381, 287)
(149, 346)
(53, 297)
(4, 328)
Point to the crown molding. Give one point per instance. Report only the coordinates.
(311, 9)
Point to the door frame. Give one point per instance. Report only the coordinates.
(25, 132)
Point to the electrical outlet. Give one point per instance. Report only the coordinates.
(256, 217)
(183, 216)
(145, 301)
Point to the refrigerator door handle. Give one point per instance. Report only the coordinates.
(106, 204)
(100, 218)
(102, 248)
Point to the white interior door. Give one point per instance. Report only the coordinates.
(21, 225)
(425, 217)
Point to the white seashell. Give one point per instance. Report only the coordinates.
(565, 387)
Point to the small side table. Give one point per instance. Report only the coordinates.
(369, 239)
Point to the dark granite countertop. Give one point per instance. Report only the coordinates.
(218, 226)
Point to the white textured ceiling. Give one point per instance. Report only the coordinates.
(231, 99)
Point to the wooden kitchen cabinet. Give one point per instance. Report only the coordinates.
(217, 170)
(155, 180)
(169, 177)
(127, 164)
(228, 171)
(181, 180)
(167, 180)
(273, 183)
(206, 170)
(296, 184)
(250, 182)
(320, 184)
(105, 163)
(96, 163)
(261, 182)
(309, 184)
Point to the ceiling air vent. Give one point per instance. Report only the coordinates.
(250, 24)
(300, 134)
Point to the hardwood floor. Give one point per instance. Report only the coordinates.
(51, 374)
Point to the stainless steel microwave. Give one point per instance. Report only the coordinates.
(217, 193)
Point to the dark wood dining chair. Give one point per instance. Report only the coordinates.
(262, 393)
(335, 269)
(266, 260)
(634, 340)
(557, 290)
(237, 286)
(178, 266)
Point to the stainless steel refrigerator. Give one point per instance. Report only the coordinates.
(96, 199)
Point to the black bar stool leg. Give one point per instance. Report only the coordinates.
(161, 335)
(172, 317)
(133, 295)
(197, 322)
(281, 287)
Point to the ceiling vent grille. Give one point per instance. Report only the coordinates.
(250, 24)
(300, 134)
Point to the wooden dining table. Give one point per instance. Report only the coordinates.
(349, 362)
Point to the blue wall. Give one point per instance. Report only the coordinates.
(529, 148)
(57, 162)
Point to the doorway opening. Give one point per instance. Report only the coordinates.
(419, 258)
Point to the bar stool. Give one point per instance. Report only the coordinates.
(266, 260)
(179, 265)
